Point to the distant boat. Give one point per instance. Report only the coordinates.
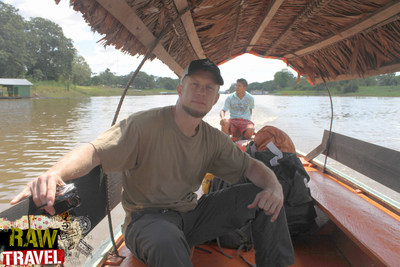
(168, 93)
(259, 92)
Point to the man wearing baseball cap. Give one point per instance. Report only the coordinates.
(203, 64)
(164, 154)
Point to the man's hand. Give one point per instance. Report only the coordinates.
(269, 200)
(224, 122)
(43, 191)
(74, 164)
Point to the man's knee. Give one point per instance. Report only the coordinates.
(225, 125)
(168, 244)
(248, 133)
(156, 241)
(165, 234)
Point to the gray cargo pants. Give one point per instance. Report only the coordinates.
(162, 238)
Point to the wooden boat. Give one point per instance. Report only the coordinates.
(322, 40)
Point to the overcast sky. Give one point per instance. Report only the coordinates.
(252, 68)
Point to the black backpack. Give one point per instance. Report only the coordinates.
(298, 204)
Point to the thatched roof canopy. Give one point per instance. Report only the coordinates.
(324, 40)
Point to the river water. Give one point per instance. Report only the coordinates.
(35, 133)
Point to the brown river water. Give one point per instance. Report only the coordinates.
(35, 133)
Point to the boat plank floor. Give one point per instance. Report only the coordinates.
(316, 251)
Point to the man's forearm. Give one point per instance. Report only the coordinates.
(76, 163)
(222, 114)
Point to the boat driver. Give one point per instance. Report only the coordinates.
(240, 105)
(164, 154)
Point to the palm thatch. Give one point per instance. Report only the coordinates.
(324, 40)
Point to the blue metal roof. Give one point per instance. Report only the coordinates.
(15, 82)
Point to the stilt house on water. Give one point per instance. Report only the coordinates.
(12, 88)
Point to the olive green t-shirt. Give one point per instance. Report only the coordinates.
(162, 167)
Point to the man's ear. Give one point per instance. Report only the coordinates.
(216, 99)
(179, 88)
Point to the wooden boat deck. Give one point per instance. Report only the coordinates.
(316, 251)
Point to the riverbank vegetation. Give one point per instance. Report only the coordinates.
(378, 91)
(58, 89)
(285, 83)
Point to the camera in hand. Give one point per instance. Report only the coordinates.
(66, 198)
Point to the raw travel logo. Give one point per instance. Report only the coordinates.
(43, 240)
(31, 246)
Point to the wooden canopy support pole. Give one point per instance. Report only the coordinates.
(267, 19)
(190, 29)
(382, 14)
(123, 12)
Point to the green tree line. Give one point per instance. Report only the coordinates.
(142, 80)
(286, 80)
(37, 49)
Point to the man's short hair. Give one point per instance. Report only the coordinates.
(242, 81)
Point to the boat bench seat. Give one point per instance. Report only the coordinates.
(368, 224)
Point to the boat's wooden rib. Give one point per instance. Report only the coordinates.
(321, 148)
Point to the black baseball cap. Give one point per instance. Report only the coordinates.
(203, 64)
